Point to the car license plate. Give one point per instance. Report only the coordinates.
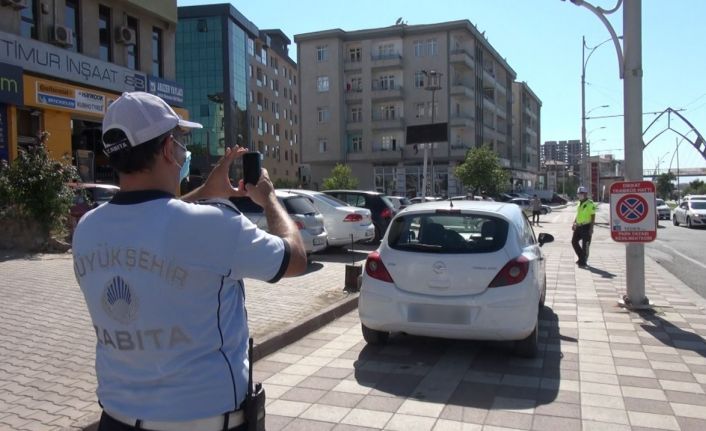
(318, 241)
(439, 314)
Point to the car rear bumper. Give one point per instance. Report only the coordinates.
(504, 313)
(360, 233)
(314, 243)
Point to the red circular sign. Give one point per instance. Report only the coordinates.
(631, 208)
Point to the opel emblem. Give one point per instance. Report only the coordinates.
(439, 267)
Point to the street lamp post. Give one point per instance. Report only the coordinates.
(630, 69)
(433, 84)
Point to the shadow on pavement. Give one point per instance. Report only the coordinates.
(312, 267)
(670, 334)
(491, 377)
(6, 255)
(601, 272)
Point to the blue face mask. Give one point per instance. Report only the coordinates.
(184, 167)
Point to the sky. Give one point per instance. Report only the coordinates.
(542, 42)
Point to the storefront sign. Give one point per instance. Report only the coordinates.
(64, 96)
(50, 60)
(632, 211)
(170, 91)
(10, 84)
(4, 134)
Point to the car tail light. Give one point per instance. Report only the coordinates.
(299, 224)
(386, 213)
(376, 269)
(512, 273)
(353, 217)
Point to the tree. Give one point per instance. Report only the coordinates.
(36, 187)
(481, 171)
(665, 185)
(341, 178)
(696, 187)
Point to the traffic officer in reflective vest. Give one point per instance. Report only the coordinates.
(583, 226)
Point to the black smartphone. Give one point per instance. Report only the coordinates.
(252, 165)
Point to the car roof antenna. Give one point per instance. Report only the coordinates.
(451, 203)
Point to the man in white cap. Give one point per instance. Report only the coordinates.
(163, 277)
(583, 226)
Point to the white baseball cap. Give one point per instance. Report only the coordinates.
(140, 116)
(582, 189)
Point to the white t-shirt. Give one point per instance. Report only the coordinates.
(162, 279)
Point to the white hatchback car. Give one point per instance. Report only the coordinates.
(342, 221)
(462, 269)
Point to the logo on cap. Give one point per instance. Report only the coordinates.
(119, 301)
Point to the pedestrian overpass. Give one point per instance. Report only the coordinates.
(682, 172)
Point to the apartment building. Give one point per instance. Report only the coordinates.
(360, 91)
(526, 114)
(572, 153)
(63, 62)
(274, 106)
(240, 83)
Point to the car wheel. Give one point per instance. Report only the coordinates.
(688, 222)
(528, 347)
(674, 220)
(373, 336)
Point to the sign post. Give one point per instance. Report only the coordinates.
(632, 211)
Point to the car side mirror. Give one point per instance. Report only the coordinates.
(545, 238)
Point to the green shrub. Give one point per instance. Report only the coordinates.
(35, 186)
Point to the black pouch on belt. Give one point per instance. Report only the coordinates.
(255, 399)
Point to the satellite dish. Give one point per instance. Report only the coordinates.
(399, 21)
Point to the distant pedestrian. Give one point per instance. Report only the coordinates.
(583, 226)
(536, 209)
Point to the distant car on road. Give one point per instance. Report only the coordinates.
(400, 202)
(304, 214)
(526, 204)
(663, 210)
(88, 196)
(691, 213)
(343, 222)
(419, 199)
(474, 270)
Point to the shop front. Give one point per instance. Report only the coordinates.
(11, 95)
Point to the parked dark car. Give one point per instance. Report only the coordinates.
(88, 196)
(381, 208)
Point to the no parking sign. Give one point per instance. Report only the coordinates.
(632, 211)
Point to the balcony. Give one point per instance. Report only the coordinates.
(381, 121)
(462, 89)
(351, 66)
(462, 57)
(380, 92)
(461, 120)
(354, 95)
(488, 77)
(386, 60)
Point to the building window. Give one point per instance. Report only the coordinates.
(356, 144)
(157, 67)
(389, 143)
(355, 55)
(322, 83)
(28, 20)
(322, 53)
(323, 114)
(420, 110)
(133, 57)
(388, 112)
(251, 46)
(322, 145)
(431, 47)
(72, 20)
(385, 82)
(386, 50)
(356, 114)
(418, 48)
(418, 79)
(105, 51)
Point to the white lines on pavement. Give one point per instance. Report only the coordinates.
(680, 254)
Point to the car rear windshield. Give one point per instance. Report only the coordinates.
(698, 205)
(299, 205)
(448, 233)
(331, 200)
(103, 194)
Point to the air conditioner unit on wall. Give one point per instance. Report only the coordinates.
(125, 35)
(15, 4)
(63, 36)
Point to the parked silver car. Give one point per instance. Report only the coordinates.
(663, 210)
(307, 218)
(526, 205)
(342, 221)
(691, 213)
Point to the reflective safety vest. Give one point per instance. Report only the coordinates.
(585, 210)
